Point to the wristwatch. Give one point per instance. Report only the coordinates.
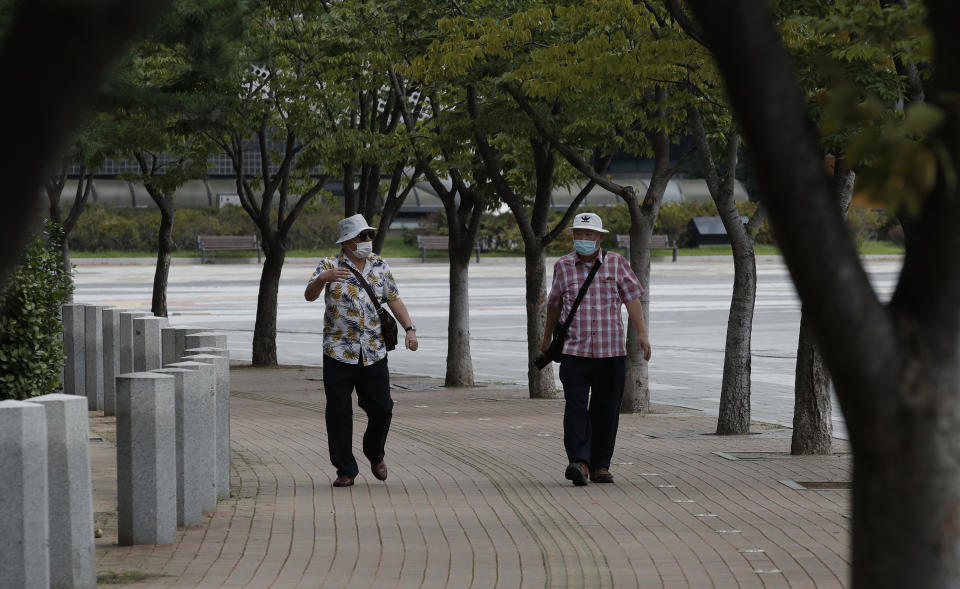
(411, 328)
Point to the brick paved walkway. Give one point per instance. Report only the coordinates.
(476, 498)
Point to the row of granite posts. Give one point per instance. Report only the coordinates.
(169, 389)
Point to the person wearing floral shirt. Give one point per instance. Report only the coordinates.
(354, 354)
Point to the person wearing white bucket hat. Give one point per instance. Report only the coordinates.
(593, 357)
(354, 351)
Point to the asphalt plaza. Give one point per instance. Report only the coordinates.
(689, 304)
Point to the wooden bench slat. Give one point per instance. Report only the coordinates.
(226, 243)
(656, 241)
(433, 242)
(437, 242)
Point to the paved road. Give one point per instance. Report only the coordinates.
(688, 315)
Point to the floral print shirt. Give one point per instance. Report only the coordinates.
(350, 322)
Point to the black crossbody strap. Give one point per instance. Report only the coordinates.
(366, 286)
(583, 291)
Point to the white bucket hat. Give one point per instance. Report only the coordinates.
(588, 221)
(351, 227)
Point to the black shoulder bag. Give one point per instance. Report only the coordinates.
(388, 325)
(560, 329)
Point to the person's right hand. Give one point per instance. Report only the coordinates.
(545, 346)
(335, 275)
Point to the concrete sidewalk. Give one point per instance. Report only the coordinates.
(476, 498)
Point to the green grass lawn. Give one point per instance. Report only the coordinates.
(395, 248)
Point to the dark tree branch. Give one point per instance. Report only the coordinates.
(566, 151)
(686, 157)
(84, 189)
(301, 204)
(490, 163)
(686, 23)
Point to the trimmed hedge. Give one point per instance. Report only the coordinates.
(100, 228)
(31, 347)
(500, 234)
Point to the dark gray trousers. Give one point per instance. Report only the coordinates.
(593, 389)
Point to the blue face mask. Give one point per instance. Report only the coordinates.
(584, 247)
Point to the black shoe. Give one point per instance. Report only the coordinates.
(577, 472)
(379, 470)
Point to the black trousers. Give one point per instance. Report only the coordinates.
(373, 394)
(593, 389)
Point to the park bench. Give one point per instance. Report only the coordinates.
(437, 242)
(656, 242)
(214, 243)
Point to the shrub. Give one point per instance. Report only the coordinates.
(316, 227)
(674, 217)
(31, 348)
(864, 224)
(895, 234)
(765, 230)
(100, 228)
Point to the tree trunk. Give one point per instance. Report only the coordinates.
(813, 406)
(265, 329)
(65, 259)
(164, 252)
(459, 360)
(734, 418)
(54, 187)
(349, 192)
(895, 365)
(812, 411)
(906, 492)
(540, 382)
(54, 190)
(636, 392)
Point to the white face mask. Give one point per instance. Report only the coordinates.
(364, 249)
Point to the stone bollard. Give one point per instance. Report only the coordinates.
(146, 343)
(24, 556)
(196, 431)
(208, 350)
(146, 459)
(126, 339)
(73, 369)
(208, 443)
(73, 559)
(93, 356)
(206, 339)
(168, 345)
(173, 344)
(222, 386)
(111, 359)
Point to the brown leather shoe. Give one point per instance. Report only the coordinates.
(601, 475)
(379, 471)
(577, 472)
(343, 481)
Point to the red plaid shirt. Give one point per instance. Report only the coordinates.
(597, 328)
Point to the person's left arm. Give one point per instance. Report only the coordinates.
(403, 318)
(630, 292)
(635, 311)
(392, 296)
